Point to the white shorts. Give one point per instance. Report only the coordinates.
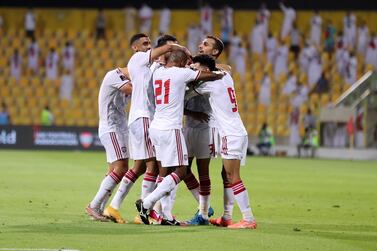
(140, 144)
(170, 147)
(116, 146)
(198, 142)
(234, 147)
(215, 145)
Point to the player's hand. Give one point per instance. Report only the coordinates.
(200, 116)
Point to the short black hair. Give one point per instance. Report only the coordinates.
(136, 37)
(164, 39)
(219, 45)
(205, 60)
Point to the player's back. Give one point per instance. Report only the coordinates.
(112, 102)
(169, 85)
(140, 74)
(224, 106)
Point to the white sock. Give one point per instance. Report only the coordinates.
(228, 201)
(124, 187)
(107, 186)
(148, 184)
(165, 187)
(157, 206)
(204, 205)
(165, 205)
(242, 198)
(104, 202)
(173, 195)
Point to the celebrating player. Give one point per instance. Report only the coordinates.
(166, 129)
(202, 139)
(141, 112)
(113, 132)
(234, 140)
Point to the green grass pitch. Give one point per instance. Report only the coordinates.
(299, 205)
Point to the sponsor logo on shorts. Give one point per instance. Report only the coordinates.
(124, 149)
(185, 157)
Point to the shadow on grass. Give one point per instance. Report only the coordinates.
(98, 228)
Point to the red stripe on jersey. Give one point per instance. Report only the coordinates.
(179, 147)
(118, 152)
(148, 142)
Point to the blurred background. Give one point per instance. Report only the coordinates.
(304, 71)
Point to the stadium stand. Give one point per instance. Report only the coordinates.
(26, 97)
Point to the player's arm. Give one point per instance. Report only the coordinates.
(126, 88)
(157, 52)
(209, 76)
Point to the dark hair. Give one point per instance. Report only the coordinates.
(164, 39)
(219, 45)
(205, 60)
(136, 37)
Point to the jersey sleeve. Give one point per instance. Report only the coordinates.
(204, 88)
(119, 80)
(142, 58)
(190, 75)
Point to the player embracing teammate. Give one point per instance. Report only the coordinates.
(155, 132)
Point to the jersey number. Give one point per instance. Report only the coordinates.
(233, 100)
(158, 91)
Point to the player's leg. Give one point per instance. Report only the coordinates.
(117, 155)
(173, 152)
(108, 195)
(130, 177)
(205, 186)
(190, 180)
(150, 177)
(226, 219)
(165, 201)
(235, 150)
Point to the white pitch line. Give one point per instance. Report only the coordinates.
(36, 249)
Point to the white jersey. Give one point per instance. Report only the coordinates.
(112, 103)
(169, 86)
(224, 106)
(140, 74)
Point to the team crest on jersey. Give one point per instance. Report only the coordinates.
(86, 139)
(124, 149)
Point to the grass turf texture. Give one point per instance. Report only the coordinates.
(299, 205)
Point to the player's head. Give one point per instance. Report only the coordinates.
(166, 39)
(211, 46)
(140, 42)
(204, 62)
(177, 58)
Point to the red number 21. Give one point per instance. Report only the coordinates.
(233, 100)
(158, 91)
